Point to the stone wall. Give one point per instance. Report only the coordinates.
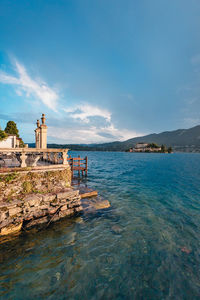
(15, 185)
(35, 209)
(30, 197)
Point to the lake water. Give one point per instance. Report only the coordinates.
(146, 246)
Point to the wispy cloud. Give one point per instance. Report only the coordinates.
(36, 88)
(90, 134)
(81, 123)
(85, 111)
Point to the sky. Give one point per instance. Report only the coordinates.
(101, 70)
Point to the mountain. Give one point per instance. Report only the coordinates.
(187, 140)
(184, 140)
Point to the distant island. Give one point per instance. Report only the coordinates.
(150, 148)
(181, 140)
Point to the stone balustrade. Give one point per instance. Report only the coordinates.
(29, 157)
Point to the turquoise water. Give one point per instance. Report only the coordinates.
(146, 246)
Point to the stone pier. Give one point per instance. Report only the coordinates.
(36, 196)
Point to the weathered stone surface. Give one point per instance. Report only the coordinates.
(74, 204)
(3, 216)
(22, 182)
(14, 211)
(89, 194)
(48, 197)
(12, 228)
(64, 207)
(44, 206)
(66, 194)
(34, 209)
(33, 200)
(37, 222)
(65, 213)
(95, 204)
(78, 208)
(5, 223)
(53, 210)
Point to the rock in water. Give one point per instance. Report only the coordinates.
(117, 229)
(186, 250)
(102, 204)
(58, 276)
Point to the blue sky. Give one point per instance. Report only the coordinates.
(100, 70)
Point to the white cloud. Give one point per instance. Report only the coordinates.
(85, 111)
(30, 86)
(191, 121)
(82, 123)
(90, 134)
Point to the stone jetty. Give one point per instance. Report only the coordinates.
(29, 198)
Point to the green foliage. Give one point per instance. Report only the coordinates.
(153, 145)
(11, 128)
(21, 144)
(163, 149)
(27, 187)
(10, 177)
(169, 150)
(3, 135)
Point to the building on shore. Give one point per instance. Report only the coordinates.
(11, 141)
(144, 147)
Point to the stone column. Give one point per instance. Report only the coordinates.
(43, 133)
(37, 135)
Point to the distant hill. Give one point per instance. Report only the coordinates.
(184, 140)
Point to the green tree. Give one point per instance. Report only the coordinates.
(11, 128)
(169, 150)
(3, 135)
(153, 145)
(163, 148)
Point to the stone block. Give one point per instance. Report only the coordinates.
(54, 204)
(37, 222)
(78, 209)
(33, 200)
(48, 197)
(3, 216)
(14, 211)
(12, 228)
(74, 204)
(64, 207)
(44, 206)
(52, 210)
(65, 213)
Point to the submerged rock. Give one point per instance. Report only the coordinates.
(117, 229)
(185, 250)
(58, 276)
(95, 204)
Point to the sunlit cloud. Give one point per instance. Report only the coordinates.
(31, 87)
(80, 123)
(85, 111)
(90, 134)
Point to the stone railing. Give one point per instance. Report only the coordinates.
(29, 157)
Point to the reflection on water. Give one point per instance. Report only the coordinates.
(145, 246)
